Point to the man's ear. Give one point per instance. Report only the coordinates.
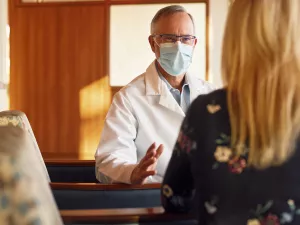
(151, 42)
(196, 40)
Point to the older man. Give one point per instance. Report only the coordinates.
(150, 109)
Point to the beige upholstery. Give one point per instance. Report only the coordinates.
(19, 119)
(23, 180)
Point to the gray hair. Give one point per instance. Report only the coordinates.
(169, 10)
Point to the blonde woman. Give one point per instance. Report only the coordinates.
(239, 147)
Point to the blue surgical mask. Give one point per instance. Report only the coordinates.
(175, 58)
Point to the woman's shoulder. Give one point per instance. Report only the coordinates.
(219, 94)
(211, 101)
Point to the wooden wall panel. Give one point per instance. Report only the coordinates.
(57, 68)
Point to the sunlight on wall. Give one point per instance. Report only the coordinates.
(95, 100)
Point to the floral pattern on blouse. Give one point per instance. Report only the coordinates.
(263, 216)
(224, 154)
(185, 144)
(167, 191)
(213, 108)
(211, 205)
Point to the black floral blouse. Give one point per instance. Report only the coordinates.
(205, 176)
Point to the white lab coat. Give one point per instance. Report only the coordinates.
(141, 113)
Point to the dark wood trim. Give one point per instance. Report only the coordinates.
(69, 162)
(122, 215)
(62, 156)
(98, 186)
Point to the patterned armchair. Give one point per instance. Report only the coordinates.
(18, 119)
(25, 196)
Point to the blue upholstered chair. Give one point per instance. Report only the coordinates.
(71, 171)
(105, 196)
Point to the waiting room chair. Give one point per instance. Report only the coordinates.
(25, 194)
(71, 171)
(105, 196)
(19, 119)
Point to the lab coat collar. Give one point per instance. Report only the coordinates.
(152, 81)
(156, 86)
(196, 86)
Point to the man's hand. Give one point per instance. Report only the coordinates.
(147, 165)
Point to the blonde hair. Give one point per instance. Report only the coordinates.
(261, 69)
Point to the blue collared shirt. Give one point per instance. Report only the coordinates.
(183, 98)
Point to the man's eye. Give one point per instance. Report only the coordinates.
(169, 39)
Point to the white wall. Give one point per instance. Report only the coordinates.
(218, 13)
(3, 39)
(4, 102)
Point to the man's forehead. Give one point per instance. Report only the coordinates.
(177, 23)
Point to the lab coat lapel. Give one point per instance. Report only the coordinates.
(167, 100)
(195, 85)
(155, 86)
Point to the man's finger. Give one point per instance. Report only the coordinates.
(147, 163)
(148, 156)
(159, 151)
(150, 152)
(151, 148)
